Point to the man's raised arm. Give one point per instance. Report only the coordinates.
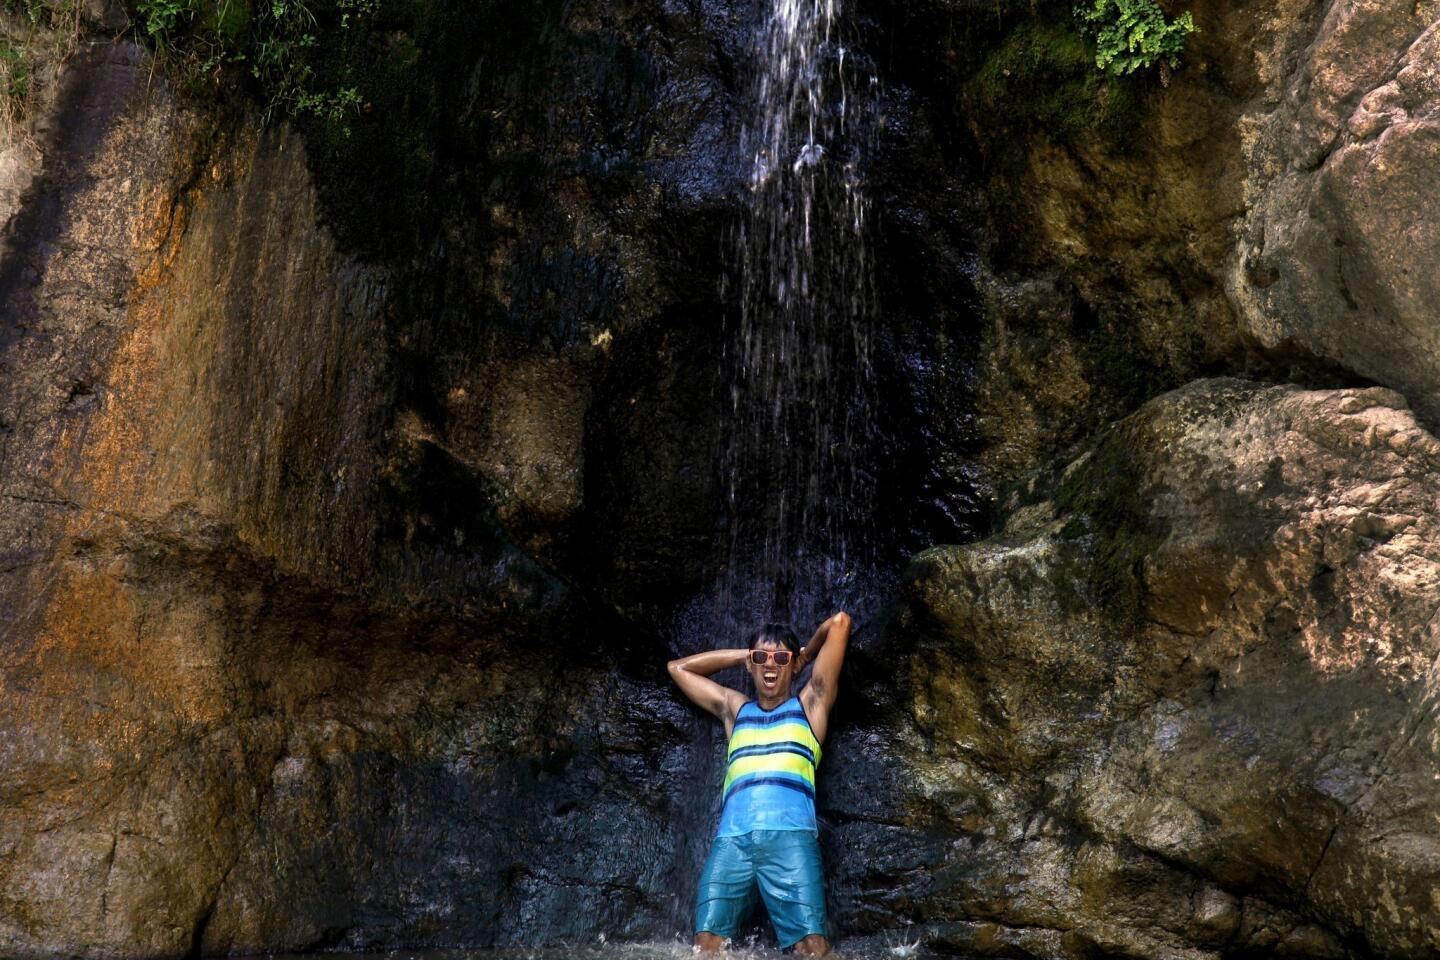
(691, 674)
(827, 649)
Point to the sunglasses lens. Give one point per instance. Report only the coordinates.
(782, 657)
(758, 656)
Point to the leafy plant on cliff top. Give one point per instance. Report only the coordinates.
(1134, 34)
(279, 43)
(163, 16)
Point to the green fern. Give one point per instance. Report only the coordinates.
(1132, 35)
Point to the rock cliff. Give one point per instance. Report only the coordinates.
(1260, 212)
(354, 492)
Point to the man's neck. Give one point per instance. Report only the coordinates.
(770, 703)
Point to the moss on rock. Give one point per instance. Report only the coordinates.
(1042, 76)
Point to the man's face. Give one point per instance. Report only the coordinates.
(771, 679)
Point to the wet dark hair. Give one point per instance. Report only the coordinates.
(776, 633)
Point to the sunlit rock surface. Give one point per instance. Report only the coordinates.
(1185, 700)
(1340, 215)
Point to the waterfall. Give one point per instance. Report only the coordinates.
(798, 366)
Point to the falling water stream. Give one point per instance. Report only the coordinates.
(798, 367)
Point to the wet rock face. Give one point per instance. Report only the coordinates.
(1179, 702)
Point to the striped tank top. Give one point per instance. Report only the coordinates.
(770, 772)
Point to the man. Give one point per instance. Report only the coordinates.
(767, 833)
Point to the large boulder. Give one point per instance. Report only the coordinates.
(1183, 703)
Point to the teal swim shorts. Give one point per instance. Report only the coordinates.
(785, 864)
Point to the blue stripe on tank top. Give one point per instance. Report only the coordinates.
(763, 749)
(753, 706)
(739, 785)
(781, 716)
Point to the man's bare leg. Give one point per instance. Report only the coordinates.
(709, 942)
(813, 946)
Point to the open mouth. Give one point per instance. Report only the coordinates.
(770, 678)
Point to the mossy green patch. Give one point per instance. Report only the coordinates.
(231, 22)
(1042, 76)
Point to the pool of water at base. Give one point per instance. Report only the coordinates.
(880, 947)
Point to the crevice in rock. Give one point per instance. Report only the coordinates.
(109, 868)
(844, 816)
(202, 922)
(1344, 285)
(197, 935)
(1324, 849)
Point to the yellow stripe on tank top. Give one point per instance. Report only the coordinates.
(773, 763)
(779, 733)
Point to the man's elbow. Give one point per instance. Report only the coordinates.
(674, 667)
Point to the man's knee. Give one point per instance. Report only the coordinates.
(813, 946)
(709, 942)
